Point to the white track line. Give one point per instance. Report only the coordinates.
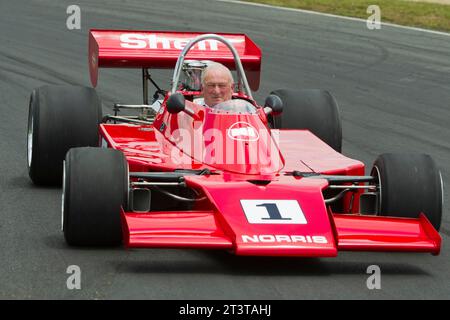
(333, 15)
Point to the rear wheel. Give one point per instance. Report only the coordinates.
(94, 189)
(408, 185)
(59, 118)
(313, 110)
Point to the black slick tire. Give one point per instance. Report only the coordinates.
(408, 185)
(94, 189)
(311, 109)
(59, 118)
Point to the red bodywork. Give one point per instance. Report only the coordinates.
(221, 221)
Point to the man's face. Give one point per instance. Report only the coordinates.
(217, 87)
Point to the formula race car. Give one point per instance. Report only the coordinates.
(265, 180)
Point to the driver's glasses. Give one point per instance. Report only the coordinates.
(212, 86)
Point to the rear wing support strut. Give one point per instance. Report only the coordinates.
(145, 78)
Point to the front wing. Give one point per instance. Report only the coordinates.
(275, 220)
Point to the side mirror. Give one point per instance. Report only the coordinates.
(176, 103)
(273, 104)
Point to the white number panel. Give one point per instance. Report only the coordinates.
(273, 212)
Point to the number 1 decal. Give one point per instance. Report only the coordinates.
(273, 212)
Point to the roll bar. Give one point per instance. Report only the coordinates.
(240, 70)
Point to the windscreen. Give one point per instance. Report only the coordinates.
(235, 106)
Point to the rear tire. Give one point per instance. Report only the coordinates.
(311, 109)
(409, 184)
(59, 118)
(94, 189)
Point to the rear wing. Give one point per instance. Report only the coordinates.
(160, 50)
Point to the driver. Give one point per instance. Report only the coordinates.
(217, 84)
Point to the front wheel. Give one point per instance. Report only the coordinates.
(95, 186)
(409, 184)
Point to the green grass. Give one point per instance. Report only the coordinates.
(407, 13)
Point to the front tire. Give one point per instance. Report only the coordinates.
(409, 184)
(94, 189)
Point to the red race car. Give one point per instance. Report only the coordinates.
(266, 180)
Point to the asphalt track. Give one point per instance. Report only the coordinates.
(393, 89)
